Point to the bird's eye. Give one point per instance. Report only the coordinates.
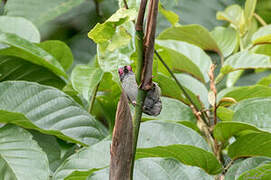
(120, 71)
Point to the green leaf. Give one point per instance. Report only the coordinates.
(50, 146)
(173, 110)
(224, 114)
(192, 86)
(263, 35)
(233, 77)
(162, 168)
(262, 172)
(186, 154)
(21, 27)
(60, 51)
(20, 155)
(103, 32)
(39, 11)
(250, 6)
(185, 57)
(83, 163)
(193, 34)
(224, 130)
(248, 145)
(226, 38)
(241, 166)
(172, 17)
(85, 79)
(264, 49)
(254, 111)
(167, 133)
(245, 92)
(234, 15)
(13, 68)
(263, 9)
(245, 60)
(24, 49)
(49, 111)
(158, 168)
(266, 81)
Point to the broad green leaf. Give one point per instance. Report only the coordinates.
(250, 6)
(13, 68)
(224, 114)
(103, 32)
(250, 79)
(90, 159)
(193, 34)
(172, 17)
(50, 146)
(226, 39)
(224, 130)
(184, 57)
(49, 111)
(167, 133)
(233, 77)
(39, 11)
(21, 27)
(170, 169)
(263, 35)
(60, 51)
(264, 49)
(24, 49)
(248, 145)
(20, 155)
(83, 163)
(254, 111)
(261, 172)
(158, 168)
(234, 15)
(85, 79)
(241, 166)
(186, 154)
(192, 87)
(173, 110)
(266, 81)
(245, 92)
(263, 9)
(245, 60)
(110, 60)
(198, 89)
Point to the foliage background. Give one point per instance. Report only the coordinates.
(50, 70)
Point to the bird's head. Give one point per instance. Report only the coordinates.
(124, 71)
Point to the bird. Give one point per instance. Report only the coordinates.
(152, 104)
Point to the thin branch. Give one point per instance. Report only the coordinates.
(177, 81)
(97, 8)
(149, 45)
(260, 19)
(213, 89)
(228, 166)
(141, 14)
(180, 86)
(125, 4)
(92, 100)
(139, 40)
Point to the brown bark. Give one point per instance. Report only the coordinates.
(122, 142)
(149, 45)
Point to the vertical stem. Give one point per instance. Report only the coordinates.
(136, 122)
(92, 100)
